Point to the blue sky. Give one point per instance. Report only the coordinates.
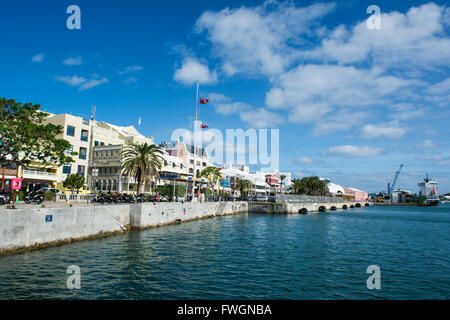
(351, 104)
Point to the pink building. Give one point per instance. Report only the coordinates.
(359, 195)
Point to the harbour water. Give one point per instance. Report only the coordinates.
(251, 256)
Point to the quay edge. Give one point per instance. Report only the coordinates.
(33, 228)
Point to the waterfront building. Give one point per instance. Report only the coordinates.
(84, 135)
(77, 132)
(358, 195)
(193, 162)
(335, 189)
(7, 172)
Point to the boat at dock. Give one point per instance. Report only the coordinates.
(428, 194)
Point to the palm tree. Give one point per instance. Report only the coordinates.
(142, 160)
(311, 186)
(213, 174)
(244, 185)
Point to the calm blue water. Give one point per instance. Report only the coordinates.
(316, 256)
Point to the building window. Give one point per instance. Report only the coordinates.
(102, 143)
(204, 164)
(83, 153)
(70, 131)
(174, 165)
(69, 151)
(84, 135)
(81, 170)
(95, 143)
(67, 169)
(191, 170)
(192, 161)
(181, 166)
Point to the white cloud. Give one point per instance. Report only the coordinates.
(130, 80)
(92, 83)
(349, 151)
(414, 39)
(192, 70)
(71, 80)
(73, 61)
(261, 118)
(304, 161)
(406, 111)
(431, 157)
(322, 86)
(428, 144)
(81, 82)
(257, 40)
(388, 130)
(340, 121)
(38, 58)
(130, 69)
(232, 107)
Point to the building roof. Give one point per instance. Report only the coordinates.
(335, 188)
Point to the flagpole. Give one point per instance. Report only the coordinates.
(196, 103)
(195, 147)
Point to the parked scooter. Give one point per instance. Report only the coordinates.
(141, 198)
(100, 198)
(34, 197)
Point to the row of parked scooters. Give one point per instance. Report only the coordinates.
(129, 198)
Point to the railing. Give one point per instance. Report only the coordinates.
(305, 198)
(73, 197)
(39, 173)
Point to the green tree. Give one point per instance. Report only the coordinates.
(25, 137)
(244, 185)
(213, 174)
(143, 161)
(74, 182)
(311, 186)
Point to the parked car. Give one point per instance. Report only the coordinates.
(46, 189)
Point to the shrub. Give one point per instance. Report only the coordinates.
(206, 192)
(49, 196)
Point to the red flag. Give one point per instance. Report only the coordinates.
(203, 101)
(204, 126)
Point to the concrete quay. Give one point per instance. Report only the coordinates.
(36, 226)
(32, 227)
(302, 207)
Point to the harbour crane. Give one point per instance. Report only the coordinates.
(391, 186)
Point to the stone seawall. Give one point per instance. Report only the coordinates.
(293, 207)
(39, 227)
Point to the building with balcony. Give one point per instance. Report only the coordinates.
(77, 131)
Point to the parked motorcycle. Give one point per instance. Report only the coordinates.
(141, 198)
(34, 197)
(99, 198)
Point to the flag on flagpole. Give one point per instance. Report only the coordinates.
(204, 126)
(203, 101)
